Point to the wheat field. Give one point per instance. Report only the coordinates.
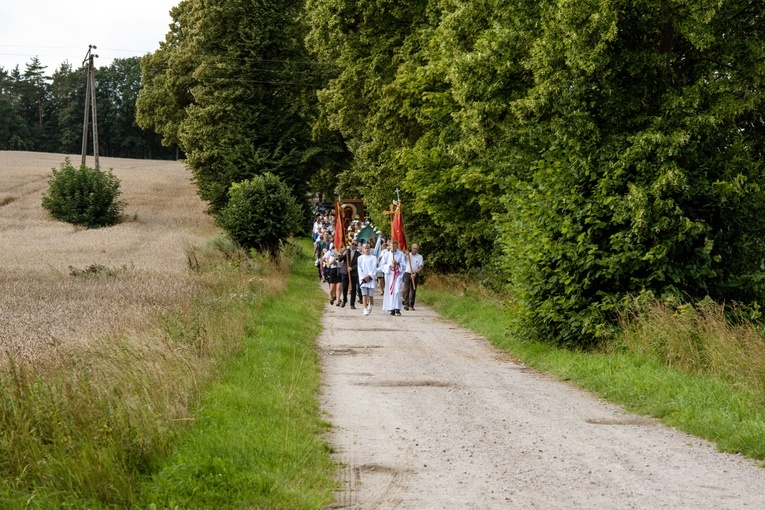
(64, 285)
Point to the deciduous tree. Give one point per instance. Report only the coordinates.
(648, 121)
(234, 86)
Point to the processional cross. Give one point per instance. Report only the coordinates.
(391, 210)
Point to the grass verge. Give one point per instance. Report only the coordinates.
(257, 439)
(708, 406)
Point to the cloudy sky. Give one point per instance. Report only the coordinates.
(56, 30)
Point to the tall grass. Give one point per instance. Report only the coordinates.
(83, 425)
(110, 338)
(42, 312)
(700, 339)
(56, 292)
(689, 366)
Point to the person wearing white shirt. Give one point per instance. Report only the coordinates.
(335, 281)
(367, 268)
(393, 263)
(413, 267)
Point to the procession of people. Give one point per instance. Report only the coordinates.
(358, 271)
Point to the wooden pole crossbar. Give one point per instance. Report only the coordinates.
(390, 211)
(90, 104)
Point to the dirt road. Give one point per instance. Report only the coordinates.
(428, 415)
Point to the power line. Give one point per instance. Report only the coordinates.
(73, 48)
(219, 57)
(252, 60)
(255, 59)
(32, 46)
(276, 83)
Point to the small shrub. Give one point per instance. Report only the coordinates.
(261, 214)
(83, 196)
(220, 251)
(94, 270)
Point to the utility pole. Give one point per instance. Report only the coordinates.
(90, 101)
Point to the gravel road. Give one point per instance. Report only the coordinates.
(427, 415)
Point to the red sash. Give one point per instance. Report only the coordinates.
(396, 272)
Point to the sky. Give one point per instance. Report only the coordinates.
(56, 30)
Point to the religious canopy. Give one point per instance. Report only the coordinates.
(367, 234)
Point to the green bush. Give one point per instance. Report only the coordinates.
(83, 196)
(261, 214)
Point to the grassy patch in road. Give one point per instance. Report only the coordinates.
(731, 415)
(257, 441)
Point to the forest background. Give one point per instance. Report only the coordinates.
(582, 156)
(43, 112)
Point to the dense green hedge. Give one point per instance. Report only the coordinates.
(593, 150)
(583, 151)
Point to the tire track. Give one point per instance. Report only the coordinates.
(426, 415)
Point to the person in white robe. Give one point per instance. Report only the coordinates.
(392, 264)
(367, 274)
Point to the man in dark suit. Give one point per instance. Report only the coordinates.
(353, 272)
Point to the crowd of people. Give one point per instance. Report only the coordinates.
(363, 271)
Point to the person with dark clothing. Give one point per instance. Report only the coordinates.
(353, 273)
(413, 268)
(342, 270)
(322, 243)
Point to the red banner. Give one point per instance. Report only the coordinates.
(339, 229)
(397, 228)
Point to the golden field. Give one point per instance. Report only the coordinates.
(48, 297)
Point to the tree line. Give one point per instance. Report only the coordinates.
(583, 153)
(44, 113)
